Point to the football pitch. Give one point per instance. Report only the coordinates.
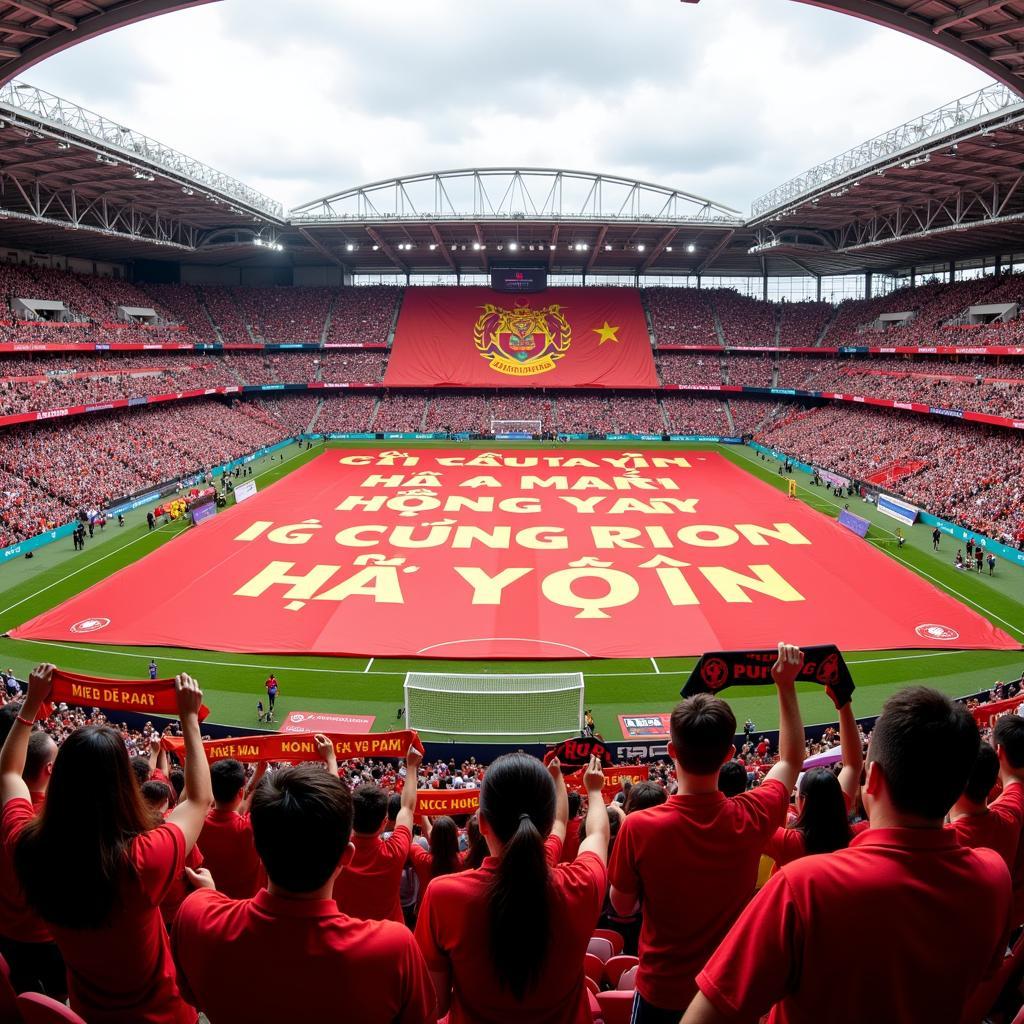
(373, 686)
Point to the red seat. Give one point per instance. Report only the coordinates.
(614, 937)
(617, 966)
(593, 967)
(601, 948)
(627, 982)
(40, 1009)
(1019, 1019)
(616, 1007)
(592, 986)
(9, 1012)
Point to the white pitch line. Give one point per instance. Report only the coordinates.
(368, 664)
(109, 554)
(656, 669)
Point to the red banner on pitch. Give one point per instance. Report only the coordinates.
(562, 337)
(301, 747)
(321, 721)
(145, 696)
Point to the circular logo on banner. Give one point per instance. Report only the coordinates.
(931, 631)
(715, 673)
(828, 671)
(90, 625)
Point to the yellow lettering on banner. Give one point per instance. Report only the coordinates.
(437, 534)
(481, 481)
(255, 530)
(488, 589)
(460, 503)
(522, 506)
(615, 536)
(636, 483)
(733, 585)
(721, 536)
(542, 538)
(497, 537)
(379, 582)
(127, 697)
(356, 460)
(559, 483)
(352, 536)
(300, 588)
(296, 533)
(586, 506)
(453, 460)
(677, 589)
(351, 502)
(558, 589)
(377, 480)
(660, 462)
(89, 693)
(785, 532)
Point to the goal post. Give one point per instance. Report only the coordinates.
(517, 428)
(455, 704)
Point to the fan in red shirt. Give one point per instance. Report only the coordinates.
(902, 925)
(506, 942)
(96, 836)
(25, 941)
(996, 825)
(226, 840)
(823, 802)
(692, 863)
(443, 856)
(368, 887)
(1008, 736)
(334, 967)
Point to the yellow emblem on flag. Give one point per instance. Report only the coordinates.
(522, 341)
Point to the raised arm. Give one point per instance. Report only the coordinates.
(15, 749)
(406, 816)
(791, 727)
(853, 753)
(325, 748)
(561, 799)
(191, 812)
(261, 770)
(598, 828)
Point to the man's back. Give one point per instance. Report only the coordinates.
(229, 853)
(999, 828)
(334, 967)
(368, 887)
(900, 927)
(694, 862)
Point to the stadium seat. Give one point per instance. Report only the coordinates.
(40, 1009)
(614, 937)
(1019, 1019)
(593, 967)
(592, 986)
(616, 1007)
(627, 982)
(617, 966)
(601, 948)
(9, 1012)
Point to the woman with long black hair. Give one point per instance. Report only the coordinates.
(506, 942)
(476, 846)
(823, 803)
(96, 862)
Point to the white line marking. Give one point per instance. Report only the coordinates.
(656, 669)
(110, 554)
(368, 664)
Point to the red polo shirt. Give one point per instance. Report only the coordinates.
(229, 852)
(332, 967)
(998, 828)
(901, 926)
(17, 921)
(693, 862)
(368, 887)
(571, 846)
(122, 973)
(453, 932)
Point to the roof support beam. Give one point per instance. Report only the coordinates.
(552, 247)
(439, 242)
(483, 247)
(717, 251)
(321, 248)
(659, 248)
(598, 247)
(963, 14)
(25, 30)
(387, 249)
(9, 52)
(989, 31)
(44, 12)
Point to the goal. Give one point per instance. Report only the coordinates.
(495, 705)
(516, 428)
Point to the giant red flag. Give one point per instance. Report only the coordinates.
(561, 337)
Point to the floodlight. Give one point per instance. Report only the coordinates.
(513, 246)
(691, 248)
(641, 247)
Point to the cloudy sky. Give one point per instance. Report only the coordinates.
(725, 99)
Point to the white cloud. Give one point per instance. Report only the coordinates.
(725, 99)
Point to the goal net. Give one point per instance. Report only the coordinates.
(494, 705)
(516, 428)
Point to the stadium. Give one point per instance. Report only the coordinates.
(495, 463)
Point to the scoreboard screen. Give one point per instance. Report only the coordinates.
(519, 279)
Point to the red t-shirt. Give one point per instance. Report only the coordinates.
(452, 930)
(693, 862)
(901, 926)
(368, 887)
(180, 888)
(229, 852)
(122, 973)
(17, 921)
(998, 828)
(571, 846)
(331, 967)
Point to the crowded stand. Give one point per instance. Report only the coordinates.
(285, 315)
(689, 368)
(687, 415)
(224, 312)
(352, 366)
(681, 316)
(749, 416)
(803, 323)
(363, 315)
(184, 307)
(455, 414)
(745, 320)
(399, 412)
(750, 370)
(551, 903)
(582, 414)
(638, 414)
(523, 407)
(345, 413)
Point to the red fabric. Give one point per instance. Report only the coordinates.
(846, 592)
(786, 845)
(299, 747)
(857, 930)
(17, 921)
(986, 714)
(122, 973)
(437, 802)
(441, 330)
(999, 828)
(331, 967)
(368, 887)
(180, 888)
(229, 853)
(452, 930)
(694, 862)
(145, 696)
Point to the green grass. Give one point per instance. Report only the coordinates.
(233, 682)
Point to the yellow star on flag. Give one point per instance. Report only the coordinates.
(607, 333)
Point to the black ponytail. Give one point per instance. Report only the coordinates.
(518, 801)
(823, 818)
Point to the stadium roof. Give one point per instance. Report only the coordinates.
(31, 30)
